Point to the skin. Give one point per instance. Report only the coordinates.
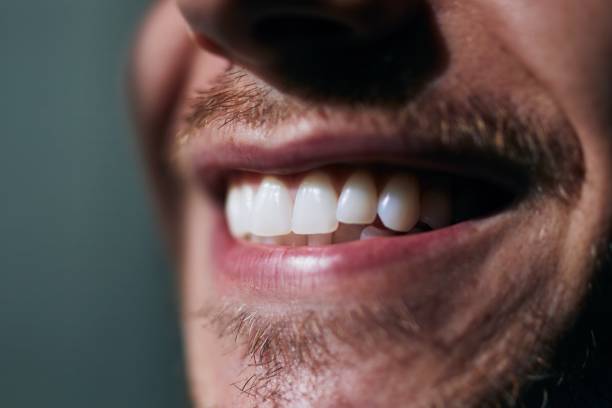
(554, 58)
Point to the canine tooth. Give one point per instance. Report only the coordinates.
(314, 211)
(398, 206)
(436, 208)
(319, 239)
(347, 233)
(357, 202)
(238, 207)
(248, 196)
(233, 213)
(272, 208)
(373, 232)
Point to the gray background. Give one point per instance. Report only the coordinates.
(87, 308)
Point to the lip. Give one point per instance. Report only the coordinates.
(308, 144)
(414, 264)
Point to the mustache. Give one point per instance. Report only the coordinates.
(542, 150)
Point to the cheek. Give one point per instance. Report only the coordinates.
(567, 46)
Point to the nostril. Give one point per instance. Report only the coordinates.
(284, 29)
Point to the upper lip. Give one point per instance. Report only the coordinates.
(239, 123)
(324, 143)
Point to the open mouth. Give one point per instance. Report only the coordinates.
(303, 218)
(343, 203)
(409, 202)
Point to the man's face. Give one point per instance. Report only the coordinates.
(378, 203)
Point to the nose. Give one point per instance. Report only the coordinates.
(258, 32)
(314, 41)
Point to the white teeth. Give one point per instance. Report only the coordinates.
(357, 202)
(436, 208)
(373, 232)
(398, 206)
(272, 209)
(233, 214)
(269, 215)
(314, 211)
(248, 197)
(319, 239)
(238, 207)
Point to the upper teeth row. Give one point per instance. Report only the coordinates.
(270, 210)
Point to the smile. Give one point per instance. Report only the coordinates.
(317, 215)
(327, 207)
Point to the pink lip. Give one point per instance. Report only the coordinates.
(414, 262)
(414, 265)
(332, 144)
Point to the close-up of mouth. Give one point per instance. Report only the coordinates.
(287, 232)
(283, 228)
(299, 206)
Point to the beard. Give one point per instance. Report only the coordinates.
(577, 370)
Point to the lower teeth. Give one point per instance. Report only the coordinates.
(345, 233)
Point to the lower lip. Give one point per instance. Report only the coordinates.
(295, 272)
